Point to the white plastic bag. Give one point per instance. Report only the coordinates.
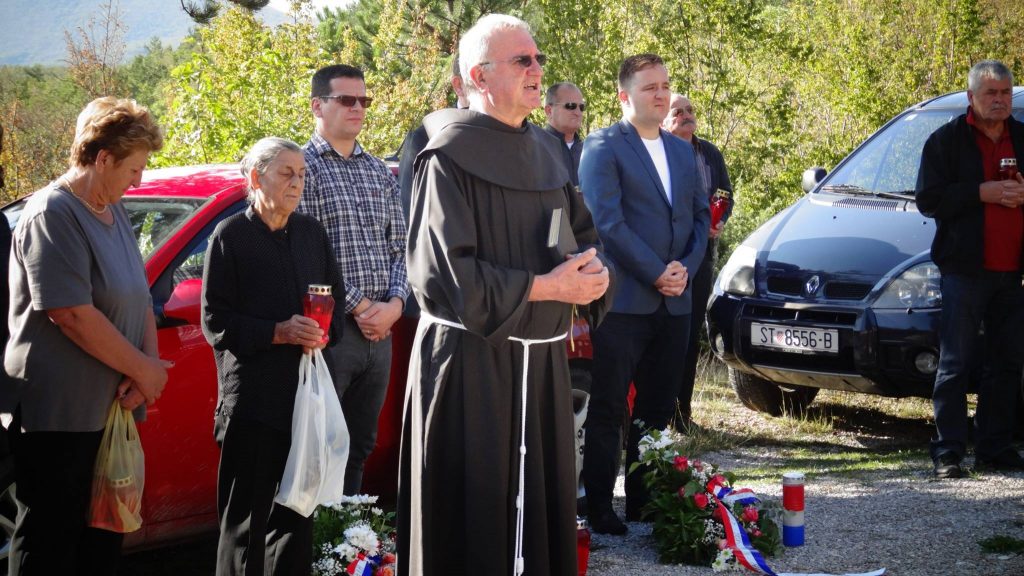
(315, 471)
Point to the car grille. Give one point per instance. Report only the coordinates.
(789, 286)
(846, 290)
(755, 312)
(794, 286)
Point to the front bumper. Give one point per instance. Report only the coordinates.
(877, 348)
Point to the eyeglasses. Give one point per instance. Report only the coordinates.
(573, 105)
(350, 101)
(678, 111)
(523, 60)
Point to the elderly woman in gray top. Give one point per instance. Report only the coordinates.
(82, 336)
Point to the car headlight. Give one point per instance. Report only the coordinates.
(737, 276)
(917, 287)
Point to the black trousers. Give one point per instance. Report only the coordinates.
(257, 536)
(647, 350)
(701, 293)
(53, 473)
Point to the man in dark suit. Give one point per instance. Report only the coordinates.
(642, 186)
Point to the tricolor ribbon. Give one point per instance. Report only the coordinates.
(361, 566)
(737, 541)
(736, 537)
(744, 496)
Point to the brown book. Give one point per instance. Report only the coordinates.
(561, 240)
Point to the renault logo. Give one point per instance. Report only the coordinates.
(812, 285)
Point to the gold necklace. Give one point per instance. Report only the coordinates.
(96, 211)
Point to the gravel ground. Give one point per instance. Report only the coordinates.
(906, 522)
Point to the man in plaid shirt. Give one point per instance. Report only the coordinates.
(356, 198)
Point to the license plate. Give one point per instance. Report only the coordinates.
(794, 338)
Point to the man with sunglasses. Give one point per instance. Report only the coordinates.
(642, 186)
(355, 197)
(487, 470)
(564, 106)
(682, 122)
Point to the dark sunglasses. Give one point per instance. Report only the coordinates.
(350, 101)
(524, 60)
(573, 105)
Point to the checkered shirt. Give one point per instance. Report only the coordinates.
(358, 202)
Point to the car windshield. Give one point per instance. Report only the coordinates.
(887, 165)
(154, 220)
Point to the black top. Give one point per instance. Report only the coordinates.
(253, 279)
(571, 156)
(948, 191)
(719, 174)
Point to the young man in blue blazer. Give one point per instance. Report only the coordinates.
(642, 186)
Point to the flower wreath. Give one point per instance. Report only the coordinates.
(698, 517)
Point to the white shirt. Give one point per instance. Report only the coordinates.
(656, 148)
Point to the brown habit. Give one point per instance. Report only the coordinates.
(483, 197)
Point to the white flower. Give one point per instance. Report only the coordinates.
(363, 537)
(346, 551)
(376, 511)
(724, 561)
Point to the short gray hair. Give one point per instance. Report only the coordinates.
(262, 154)
(476, 42)
(552, 93)
(987, 70)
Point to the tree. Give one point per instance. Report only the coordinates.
(243, 81)
(38, 108)
(95, 51)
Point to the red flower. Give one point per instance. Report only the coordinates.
(682, 492)
(388, 558)
(681, 463)
(756, 533)
(719, 480)
(698, 465)
(750, 514)
(384, 571)
(701, 500)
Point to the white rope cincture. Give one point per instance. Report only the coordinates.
(518, 561)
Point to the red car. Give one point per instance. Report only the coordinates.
(173, 213)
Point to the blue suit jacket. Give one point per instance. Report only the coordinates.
(641, 232)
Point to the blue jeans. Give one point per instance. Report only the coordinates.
(362, 370)
(994, 300)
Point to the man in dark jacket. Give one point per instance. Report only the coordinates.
(563, 107)
(979, 249)
(682, 122)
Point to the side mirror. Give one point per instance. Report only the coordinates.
(185, 304)
(812, 176)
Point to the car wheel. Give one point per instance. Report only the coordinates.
(767, 396)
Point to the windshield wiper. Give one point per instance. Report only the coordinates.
(854, 190)
(851, 189)
(901, 195)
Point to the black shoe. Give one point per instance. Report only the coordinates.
(607, 523)
(634, 510)
(947, 465)
(1005, 460)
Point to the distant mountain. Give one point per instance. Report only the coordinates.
(32, 31)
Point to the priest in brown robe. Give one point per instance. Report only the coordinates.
(496, 306)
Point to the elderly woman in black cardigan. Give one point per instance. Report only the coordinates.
(258, 267)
